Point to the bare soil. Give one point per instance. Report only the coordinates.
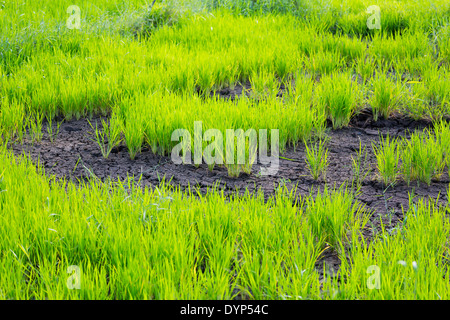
(73, 152)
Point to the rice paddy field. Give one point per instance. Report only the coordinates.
(352, 97)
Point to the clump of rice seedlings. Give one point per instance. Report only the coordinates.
(134, 128)
(205, 81)
(349, 48)
(310, 120)
(110, 135)
(409, 162)
(12, 119)
(387, 155)
(213, 152)
(301, 88)
(51, 133)
(360, 167)
(240, 157)
(234, 168)
(394, 20)
(134, 137)
(442, 133)
(430, 97)
(443, 41)
(250, 160)
(332, 215)
(317, 159)
(437, 94)
(386, 96)
(35, 126)
(422, 158)
(364, 65)
(325, 62)
(336, 95)
(354, 24)
(264, 85)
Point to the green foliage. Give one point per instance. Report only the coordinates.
(110, 135)
(34, 124)
(386, 96)
(317, 159)
(333, 215)
(422, 158)
(360, 167)
(51, 132)
(336, 94)
(387, 155)
(153, 71)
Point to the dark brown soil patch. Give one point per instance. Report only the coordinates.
(73, 151)
(73, 154)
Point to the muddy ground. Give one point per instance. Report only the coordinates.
(73, 152)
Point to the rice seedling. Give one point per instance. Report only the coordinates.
(13, 120)
(240, 154)
(364, 66)
(333, 215)
(386, 96)
(34, 123)
(110, 135)
(134, 138)
(51, 132)
(317, 159)
(360, 167)
(387, 155)
(263, 85)
(325, 62)
(442, 133)
(213, 153)
(251, 158)
(336, 95)
(437, 94)
(310, 121)
(422, 158)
